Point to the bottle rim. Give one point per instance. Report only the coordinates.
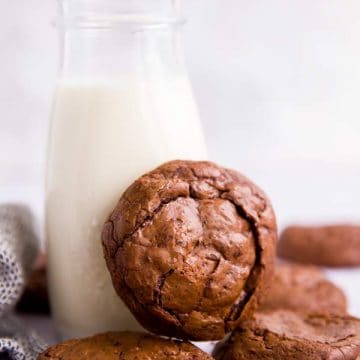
(94, 14)
(108, 22)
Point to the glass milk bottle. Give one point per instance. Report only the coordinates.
(123, 106)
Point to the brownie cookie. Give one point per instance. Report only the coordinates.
(190, 248)
(35, 299)
(304, 288)
(333, 245)
(123, 346)
(283, 335)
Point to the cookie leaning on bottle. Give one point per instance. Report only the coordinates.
(190, 248)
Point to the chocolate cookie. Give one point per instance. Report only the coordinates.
(304, 288)
(123, 346)
(35, 299)
(190, 248)
(284, 335)
(333, 245)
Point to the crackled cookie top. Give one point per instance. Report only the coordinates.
(284, 335)
(304, 288)
(123, 346)
(189, 247)
(329, 245)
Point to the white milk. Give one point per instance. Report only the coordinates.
(103, 137)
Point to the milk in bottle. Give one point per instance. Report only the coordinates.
(123, 106)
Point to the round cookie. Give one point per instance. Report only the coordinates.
(304, 288)
(283, 335)
(190, 248)
(123, 346)
(333, 245)
(35, 298)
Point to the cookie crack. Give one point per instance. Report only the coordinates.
(174, 314)
(250, 284)
(148, 218)
(208, 283)
(213, 179)
(160, 284)
(237, 308)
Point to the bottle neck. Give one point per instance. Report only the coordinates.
(125, 37)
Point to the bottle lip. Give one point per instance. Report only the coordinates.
(112, 13)
(95, 21)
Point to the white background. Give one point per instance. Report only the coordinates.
(277, 83)
(278, 87)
